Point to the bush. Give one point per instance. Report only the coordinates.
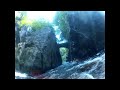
(64, 53)
(25, 21)
(38, 24)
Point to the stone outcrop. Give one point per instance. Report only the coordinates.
(87, 34)
(38, 53)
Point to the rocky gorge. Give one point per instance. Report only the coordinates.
(38, 55)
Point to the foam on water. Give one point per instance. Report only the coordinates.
(20, 74)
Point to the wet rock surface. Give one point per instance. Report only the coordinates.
(93, 68)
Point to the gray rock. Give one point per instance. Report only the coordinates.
(39, 53)
(93, 68)
(87, 34)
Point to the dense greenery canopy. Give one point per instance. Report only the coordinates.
(22, 20)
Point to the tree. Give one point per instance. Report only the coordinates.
(38, 24)
(22, 20)
(61, 21)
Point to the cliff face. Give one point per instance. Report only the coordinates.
(38, 53)
(87, 34)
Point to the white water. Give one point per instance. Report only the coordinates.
(18, 74)
(90, 69)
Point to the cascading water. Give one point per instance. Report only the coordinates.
(93, 68)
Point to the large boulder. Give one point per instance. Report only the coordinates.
(87, 34)
(38, 53)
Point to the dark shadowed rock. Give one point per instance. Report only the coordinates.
(87, 34)
(39, 53)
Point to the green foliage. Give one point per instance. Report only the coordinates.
(64, 53)
(22, 20)
(38, 24)
(61, 21)
(25, 21)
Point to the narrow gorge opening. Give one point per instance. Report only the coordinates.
(62, 44)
